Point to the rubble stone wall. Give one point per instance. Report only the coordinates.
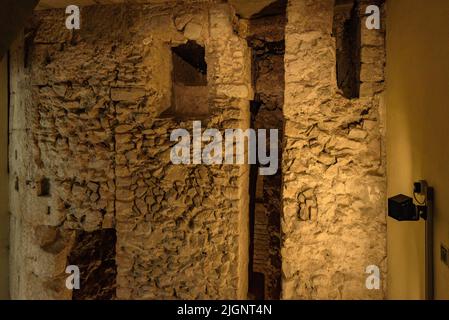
(334, 183)
(90, 151)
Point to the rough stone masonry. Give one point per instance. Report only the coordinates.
(333, 220)
(90, 157)
(86, 118)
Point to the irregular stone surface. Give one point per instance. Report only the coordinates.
(333, 165)
(86, 115)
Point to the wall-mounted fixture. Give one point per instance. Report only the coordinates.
(403, 208)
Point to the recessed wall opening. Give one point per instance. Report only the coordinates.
(44, 188)
(266, 39)
(94, 254)
(346, 30)
(189, 81)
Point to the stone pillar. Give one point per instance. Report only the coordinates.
(333, 168)
(37, 250)
(182, 229)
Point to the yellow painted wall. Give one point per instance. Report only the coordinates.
(4, 215)
(418, 136)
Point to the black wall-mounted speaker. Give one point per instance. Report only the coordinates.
(402, 208)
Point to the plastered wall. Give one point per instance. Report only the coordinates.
(417, 98)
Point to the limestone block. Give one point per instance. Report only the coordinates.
(372, 72)
(127, 94)
(193, 30)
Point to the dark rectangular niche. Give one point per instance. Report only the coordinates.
(94, 254)
(189, 82)
(44, 188)
(346, 30)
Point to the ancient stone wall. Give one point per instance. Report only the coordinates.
(91, 117)
(333, 162)
(91, 152)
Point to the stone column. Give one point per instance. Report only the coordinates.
(333, 169)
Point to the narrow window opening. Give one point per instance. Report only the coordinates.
(189, 82)
(346, 30)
